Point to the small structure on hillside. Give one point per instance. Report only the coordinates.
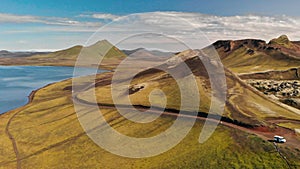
(279, 139)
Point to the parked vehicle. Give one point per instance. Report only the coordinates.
(279, 139)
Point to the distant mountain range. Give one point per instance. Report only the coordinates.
(241, 56)
(5, 53)
(68, 57)
(142, 52)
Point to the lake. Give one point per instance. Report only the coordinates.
(17, 82)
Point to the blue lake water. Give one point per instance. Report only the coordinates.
(17, 82)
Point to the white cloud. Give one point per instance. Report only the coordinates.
(11, 18)
(19, 19)
(196, 29)
(59, 29)
(179, 23)
(226, 27)
(104, 16)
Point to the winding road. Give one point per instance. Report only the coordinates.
(13, 141)
(265, 134)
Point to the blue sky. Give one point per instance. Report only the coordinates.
(51, 25)
(121, 7)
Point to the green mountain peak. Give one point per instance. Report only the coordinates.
(282, 40)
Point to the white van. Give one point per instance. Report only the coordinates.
(279, 139)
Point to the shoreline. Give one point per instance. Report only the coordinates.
(105, 66)
(30, 97)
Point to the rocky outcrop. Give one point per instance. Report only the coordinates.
(280, 89)
(291, 74)
(225, 47)
(280, 47)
